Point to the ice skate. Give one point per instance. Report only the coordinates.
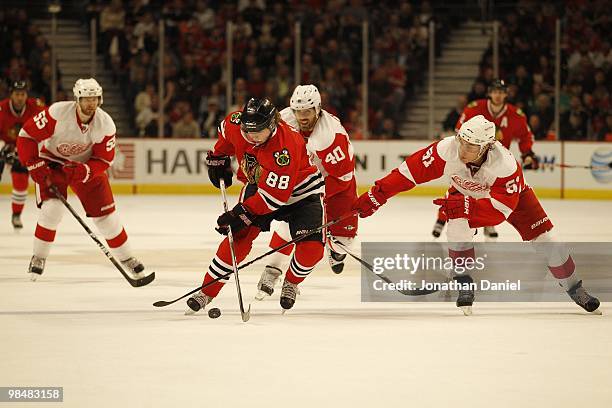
(490, 233)
(197, 302)
(16, 221)
(268, 280)
(465, 299)
(36, 268)
(135, 267)
(336, 260)
(438, 228)
(583, 299)
(288, 295)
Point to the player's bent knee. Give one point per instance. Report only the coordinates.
(309, 252)
(554, 251)
(108, 225)
(51, 214)
(458, 230)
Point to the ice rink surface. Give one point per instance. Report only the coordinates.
(82, 327)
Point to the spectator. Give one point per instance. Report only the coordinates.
(212, 117)
(453, 116)
(605, 133)
(186, 127)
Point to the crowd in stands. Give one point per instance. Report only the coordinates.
(263, 61)
(25, 54)
(195, 53)
(527, 58)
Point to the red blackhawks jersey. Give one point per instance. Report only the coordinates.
(511, 123)
(64, 138)
(11, 122)
(330, 149)
(279, 167)
(496, 185)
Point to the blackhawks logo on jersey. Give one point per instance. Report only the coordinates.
(251, 168)
(282, 157)
(235, 118)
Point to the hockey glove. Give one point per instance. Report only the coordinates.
(8, 154)
(368, 203)
(237, 219)
(219, 167)
(76, 172)
(530, 161)
(457, 206)
(39, 171)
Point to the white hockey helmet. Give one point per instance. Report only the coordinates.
(478, 131)
(305, 97)
(87, 87)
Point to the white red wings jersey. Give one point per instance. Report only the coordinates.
(65, 138)
(330, 149)
(510, 123)
(496, 185)
(280, 167)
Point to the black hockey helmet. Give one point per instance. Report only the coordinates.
(257, 115)
(498, 84)
(18, 86)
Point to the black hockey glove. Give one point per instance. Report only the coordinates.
(237, 218)
(8, 154)
(530, 161)
(219, 167)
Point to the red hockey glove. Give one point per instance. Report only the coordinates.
(76, 172)
(368, 203)
(39, 171)
(237, 219)
(530, 161)
(457, 206)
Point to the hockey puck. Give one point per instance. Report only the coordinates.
(214, 313)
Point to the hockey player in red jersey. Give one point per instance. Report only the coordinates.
(510, 123)
(77, 144)
(487, 188)
(330, 149)
(14, 112)
(279, 184)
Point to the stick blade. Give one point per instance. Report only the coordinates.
(162, 303)
(142, 281)
(246, 315)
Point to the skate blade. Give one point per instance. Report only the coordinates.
(283, 312)
(261, 295)
(190, 312)
(467, 310)
(596, 312)
(33, 277)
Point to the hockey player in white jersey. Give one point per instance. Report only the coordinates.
(72, 143)
(487, 188)
(330, 149)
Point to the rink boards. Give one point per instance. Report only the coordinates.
(178, 166)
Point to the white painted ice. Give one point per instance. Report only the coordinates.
(81, 326)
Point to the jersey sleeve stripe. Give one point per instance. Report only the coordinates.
(304, 184)
(221, 129)
(23, 133)
(311, 190)
(347, 176)
(270, 201)
(501, 207)
(405, 171)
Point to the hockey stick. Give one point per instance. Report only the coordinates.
(162, 303)
(134, 282)
(572, 166)
(416, 292)
(245, 315)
